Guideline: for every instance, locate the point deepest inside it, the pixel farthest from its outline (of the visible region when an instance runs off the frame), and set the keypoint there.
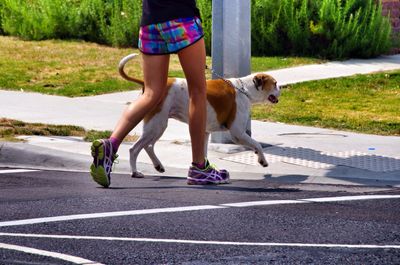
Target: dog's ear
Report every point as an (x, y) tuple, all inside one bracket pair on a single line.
[(258, 81)]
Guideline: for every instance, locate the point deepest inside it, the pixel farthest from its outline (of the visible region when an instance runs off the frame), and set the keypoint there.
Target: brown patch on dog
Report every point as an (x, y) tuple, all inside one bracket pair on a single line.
[(158, 108), (267, 82), (221, 96)]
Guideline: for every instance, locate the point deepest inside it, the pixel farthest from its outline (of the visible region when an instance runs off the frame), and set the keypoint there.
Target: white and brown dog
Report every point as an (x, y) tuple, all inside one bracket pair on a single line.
[(228, 108)]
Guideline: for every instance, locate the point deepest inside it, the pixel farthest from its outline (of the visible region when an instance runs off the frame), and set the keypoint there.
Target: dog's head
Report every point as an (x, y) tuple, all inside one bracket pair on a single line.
[(267, 89)]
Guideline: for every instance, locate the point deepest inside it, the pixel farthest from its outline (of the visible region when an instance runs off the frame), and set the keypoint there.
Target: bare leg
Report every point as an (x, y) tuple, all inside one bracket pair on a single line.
[(193, 61), (155, 69)]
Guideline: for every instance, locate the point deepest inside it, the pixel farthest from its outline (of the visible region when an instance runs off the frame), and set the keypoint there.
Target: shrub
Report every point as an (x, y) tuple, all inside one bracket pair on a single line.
[(282, 27), (38, 20), (264, 27), (327, 28), (351, 28), (91, 18), (206, 15), (123, 29), (332, 29), (112, 22), (1, 15)]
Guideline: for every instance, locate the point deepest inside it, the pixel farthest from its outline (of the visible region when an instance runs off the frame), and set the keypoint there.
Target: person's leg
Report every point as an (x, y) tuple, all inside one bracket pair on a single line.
[(104, 150), (193, 61), (155, 82)]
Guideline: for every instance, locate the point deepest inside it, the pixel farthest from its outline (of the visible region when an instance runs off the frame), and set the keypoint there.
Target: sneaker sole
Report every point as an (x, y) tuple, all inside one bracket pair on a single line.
[(98, 173), (196, 182)]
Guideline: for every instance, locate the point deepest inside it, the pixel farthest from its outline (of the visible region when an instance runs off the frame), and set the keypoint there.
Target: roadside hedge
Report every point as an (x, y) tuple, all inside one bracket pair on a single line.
[(1, 16), (110, 22), (332, 29), (324, 28)]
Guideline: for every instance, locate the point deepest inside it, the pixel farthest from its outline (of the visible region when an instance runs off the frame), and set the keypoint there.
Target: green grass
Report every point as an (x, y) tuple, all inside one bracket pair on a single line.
[(62, 67), (74, 68), (10, 129), (362, 103), (261, 64)]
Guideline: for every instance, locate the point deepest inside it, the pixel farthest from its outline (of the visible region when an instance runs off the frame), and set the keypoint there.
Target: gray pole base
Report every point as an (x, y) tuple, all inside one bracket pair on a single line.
[(231, 45)]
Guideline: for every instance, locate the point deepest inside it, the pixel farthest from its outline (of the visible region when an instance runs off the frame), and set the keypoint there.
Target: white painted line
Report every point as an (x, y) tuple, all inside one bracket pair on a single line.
[(109, 214), (354, 198), (10, 171), (200, 242), (191, 208), (263, 203), (69, 258), (311, 200)]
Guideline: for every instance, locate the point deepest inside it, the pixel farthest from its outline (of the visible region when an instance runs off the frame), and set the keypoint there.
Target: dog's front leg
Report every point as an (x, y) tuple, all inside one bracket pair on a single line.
[(246, 140)]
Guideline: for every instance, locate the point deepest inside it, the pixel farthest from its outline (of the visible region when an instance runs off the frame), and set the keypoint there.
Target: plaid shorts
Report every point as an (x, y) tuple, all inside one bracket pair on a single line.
[(169, 37)]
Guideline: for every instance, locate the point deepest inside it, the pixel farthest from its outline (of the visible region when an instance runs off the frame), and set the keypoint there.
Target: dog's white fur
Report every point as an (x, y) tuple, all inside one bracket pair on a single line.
[(176, 105)]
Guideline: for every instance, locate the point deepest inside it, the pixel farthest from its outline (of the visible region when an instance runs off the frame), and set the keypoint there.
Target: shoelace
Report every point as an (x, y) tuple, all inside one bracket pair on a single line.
[(109, 162), (213, 166)]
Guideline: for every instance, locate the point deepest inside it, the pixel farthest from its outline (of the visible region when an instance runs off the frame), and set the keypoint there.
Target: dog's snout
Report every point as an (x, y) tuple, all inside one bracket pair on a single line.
[(273, 99)]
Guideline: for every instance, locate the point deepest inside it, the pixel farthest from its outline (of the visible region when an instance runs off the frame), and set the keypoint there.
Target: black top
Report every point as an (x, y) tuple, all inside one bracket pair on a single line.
[(158, 11)]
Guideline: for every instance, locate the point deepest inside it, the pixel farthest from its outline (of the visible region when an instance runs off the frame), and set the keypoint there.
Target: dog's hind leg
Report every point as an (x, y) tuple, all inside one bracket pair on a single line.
[(156, 162), (152, 131), (156, 132), (134, 152), (147, 138)]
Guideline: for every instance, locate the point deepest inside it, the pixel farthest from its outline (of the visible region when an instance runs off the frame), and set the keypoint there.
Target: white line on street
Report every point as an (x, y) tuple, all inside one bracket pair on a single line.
[(327, 199), (200, 242), (109, 214), (263, 203), (10, 171), (69, 258), (354, 198), (192, 208)]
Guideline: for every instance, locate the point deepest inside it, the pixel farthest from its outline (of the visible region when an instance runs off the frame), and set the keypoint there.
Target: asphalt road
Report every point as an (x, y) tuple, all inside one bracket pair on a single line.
[(52, 217)]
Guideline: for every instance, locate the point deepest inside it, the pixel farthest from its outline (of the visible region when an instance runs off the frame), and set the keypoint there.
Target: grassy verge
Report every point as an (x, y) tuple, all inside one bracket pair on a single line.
[(70, 68), (10, 129), (362, 103)]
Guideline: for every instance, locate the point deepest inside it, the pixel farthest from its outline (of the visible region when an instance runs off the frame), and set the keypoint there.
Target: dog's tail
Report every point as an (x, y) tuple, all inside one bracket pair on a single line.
[(121, 66)]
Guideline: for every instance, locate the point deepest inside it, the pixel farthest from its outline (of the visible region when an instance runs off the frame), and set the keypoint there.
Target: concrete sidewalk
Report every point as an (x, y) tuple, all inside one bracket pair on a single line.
[(295, 153)]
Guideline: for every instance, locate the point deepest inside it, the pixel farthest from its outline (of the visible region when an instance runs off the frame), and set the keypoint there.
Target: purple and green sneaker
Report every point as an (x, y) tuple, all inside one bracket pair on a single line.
[(103, 159), (208, 175)]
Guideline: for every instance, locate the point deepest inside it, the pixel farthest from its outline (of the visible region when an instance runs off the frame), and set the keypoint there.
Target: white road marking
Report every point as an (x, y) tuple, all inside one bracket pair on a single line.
[(69, 258), (200, 242), (192, 208), (263, 203), (327, 199), (109, 214), (10, 171), (354, 198)]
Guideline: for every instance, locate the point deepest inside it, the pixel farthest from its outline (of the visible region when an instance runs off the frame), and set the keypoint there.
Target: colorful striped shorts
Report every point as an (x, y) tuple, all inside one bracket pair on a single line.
[(170, 37)]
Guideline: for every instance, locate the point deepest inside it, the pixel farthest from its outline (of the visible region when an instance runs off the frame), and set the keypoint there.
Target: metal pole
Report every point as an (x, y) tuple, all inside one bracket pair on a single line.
[(231, 45)]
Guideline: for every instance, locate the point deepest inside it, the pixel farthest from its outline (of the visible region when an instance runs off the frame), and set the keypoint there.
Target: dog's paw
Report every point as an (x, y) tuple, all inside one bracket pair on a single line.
[(263, 163), (137, 175), (160, 168)]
